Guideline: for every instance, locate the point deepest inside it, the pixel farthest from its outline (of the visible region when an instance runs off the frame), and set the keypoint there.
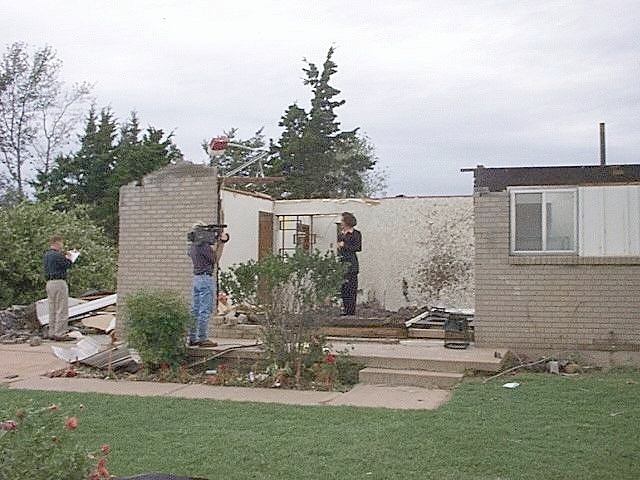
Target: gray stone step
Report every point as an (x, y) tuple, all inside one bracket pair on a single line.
[(415, 378)]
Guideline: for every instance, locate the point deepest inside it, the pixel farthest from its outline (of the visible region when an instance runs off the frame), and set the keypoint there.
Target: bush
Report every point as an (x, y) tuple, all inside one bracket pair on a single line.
[(286, 285), (156, 324), (291, 289), (38, 443), (25, 230)]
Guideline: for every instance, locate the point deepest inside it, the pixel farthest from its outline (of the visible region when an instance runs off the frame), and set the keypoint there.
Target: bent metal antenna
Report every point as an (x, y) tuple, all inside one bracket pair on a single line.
[(218, 145)]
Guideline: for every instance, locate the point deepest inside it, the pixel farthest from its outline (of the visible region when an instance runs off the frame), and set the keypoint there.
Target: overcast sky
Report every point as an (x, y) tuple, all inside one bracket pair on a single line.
[(436, 85)]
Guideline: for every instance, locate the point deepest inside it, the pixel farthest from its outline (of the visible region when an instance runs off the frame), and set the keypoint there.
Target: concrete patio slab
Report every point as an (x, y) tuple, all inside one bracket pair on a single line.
[(20, 361), (23, 367), (96, 385), (400, 397), (261, 395)]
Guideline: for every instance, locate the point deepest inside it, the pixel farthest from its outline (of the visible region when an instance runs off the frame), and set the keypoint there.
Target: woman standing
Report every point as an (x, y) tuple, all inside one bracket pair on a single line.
[(349, 242)]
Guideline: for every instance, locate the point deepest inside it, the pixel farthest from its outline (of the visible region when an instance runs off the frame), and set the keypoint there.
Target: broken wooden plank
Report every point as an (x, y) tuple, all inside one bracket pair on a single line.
[(372, 332), (103, 322)]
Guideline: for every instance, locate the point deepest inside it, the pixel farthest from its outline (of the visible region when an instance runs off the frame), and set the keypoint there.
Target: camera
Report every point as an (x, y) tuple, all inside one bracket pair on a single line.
[(206, 234)]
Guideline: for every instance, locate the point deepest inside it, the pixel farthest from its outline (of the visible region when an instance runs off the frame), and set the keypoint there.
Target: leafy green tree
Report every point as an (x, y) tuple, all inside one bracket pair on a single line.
[(8, 194), (106, 160), (317, 158), (37, 113), (25, 230)]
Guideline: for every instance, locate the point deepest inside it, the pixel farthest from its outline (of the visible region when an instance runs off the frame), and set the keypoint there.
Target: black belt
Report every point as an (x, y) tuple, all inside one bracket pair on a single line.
[(204, 273), (56, 278)]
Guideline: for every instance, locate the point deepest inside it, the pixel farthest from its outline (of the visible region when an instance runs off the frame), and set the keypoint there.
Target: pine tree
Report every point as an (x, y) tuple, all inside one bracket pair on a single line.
[(107, 159), (316, 157)]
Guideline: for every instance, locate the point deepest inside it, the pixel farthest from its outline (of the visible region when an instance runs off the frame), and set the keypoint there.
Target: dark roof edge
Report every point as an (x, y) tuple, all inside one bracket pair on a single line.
[(498, 179)]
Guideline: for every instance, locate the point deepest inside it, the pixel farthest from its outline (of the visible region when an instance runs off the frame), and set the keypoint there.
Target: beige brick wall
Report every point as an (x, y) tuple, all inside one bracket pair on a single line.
[(155, 218), (551, 304)]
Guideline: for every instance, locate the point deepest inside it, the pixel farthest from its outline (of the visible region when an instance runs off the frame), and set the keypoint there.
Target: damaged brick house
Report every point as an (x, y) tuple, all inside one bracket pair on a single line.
[(157, 212), (557, 260)]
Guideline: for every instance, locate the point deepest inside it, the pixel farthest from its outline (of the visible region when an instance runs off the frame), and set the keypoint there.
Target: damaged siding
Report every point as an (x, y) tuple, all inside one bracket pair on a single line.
[(399, 235)]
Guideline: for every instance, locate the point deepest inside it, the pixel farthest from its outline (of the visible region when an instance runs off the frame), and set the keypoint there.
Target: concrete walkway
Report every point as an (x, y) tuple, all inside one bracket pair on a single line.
[(24, 367)]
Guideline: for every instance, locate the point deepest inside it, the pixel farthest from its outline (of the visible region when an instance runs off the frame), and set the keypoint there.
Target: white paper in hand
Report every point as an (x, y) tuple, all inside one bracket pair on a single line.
[(73, 255)]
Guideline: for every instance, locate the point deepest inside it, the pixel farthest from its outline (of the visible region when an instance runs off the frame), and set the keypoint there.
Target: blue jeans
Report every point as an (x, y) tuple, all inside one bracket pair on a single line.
[(204, 291)]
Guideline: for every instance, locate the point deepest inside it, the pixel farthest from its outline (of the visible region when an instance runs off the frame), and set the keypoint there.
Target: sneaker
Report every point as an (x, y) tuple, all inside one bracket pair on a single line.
[(206, 343)]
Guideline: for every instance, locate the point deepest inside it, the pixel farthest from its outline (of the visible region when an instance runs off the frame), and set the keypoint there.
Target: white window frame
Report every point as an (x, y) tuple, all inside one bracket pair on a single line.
[(512, 220)]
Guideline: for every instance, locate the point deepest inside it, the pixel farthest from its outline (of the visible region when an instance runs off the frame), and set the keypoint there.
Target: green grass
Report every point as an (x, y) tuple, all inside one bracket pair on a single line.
[(550, 427)]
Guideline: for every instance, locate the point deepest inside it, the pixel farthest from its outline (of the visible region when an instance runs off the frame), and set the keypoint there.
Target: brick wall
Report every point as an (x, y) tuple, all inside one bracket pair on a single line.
[(550, 304), (155, 217)]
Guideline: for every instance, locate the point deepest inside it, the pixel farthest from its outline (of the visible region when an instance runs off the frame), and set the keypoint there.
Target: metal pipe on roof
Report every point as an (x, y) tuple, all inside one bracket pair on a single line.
[(603, 154)]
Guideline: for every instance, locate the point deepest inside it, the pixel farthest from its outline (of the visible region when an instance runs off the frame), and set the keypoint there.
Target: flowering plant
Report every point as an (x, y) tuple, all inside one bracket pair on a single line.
[(38, 443)]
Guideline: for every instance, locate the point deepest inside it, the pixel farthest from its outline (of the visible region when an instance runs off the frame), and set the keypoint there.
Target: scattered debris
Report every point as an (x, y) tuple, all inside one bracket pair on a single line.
[(85, 348), (511, 385), (437, 316), (79, 309), (522, 365), (221, 353), (17, 323), (114, 358), (103, 322), (66, 372), (42, 309), (571, 368), (554, 367)]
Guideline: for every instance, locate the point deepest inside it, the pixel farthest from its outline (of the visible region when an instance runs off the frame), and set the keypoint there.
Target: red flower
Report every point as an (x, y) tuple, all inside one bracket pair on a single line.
[(105, 448), (8, 425), (101, 470), (71, 423), (331, 359)]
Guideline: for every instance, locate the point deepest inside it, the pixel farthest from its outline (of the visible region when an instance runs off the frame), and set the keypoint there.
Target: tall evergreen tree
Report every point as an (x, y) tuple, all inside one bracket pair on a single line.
[(316, 157), (107, 159)]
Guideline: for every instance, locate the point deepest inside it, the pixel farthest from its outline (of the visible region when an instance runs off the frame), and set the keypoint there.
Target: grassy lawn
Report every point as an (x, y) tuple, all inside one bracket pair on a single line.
[(550, 427)]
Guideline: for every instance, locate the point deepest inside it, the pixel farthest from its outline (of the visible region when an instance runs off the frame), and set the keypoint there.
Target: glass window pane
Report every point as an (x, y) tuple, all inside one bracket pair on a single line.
[(560, 221), (528, 227)]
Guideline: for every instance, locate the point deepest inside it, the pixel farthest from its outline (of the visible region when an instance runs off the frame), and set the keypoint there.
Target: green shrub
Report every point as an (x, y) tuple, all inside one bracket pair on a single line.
[(286, 285), (38, 443), (156, 324), (25, 230), (291, 290)]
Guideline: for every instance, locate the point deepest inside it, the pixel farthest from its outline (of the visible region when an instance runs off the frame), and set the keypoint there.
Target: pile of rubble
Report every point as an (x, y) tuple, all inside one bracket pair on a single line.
[(24, 323), (18, 324)]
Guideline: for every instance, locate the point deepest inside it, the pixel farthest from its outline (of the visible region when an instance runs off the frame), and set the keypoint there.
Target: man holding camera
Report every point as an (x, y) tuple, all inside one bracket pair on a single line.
[(204, 256)]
